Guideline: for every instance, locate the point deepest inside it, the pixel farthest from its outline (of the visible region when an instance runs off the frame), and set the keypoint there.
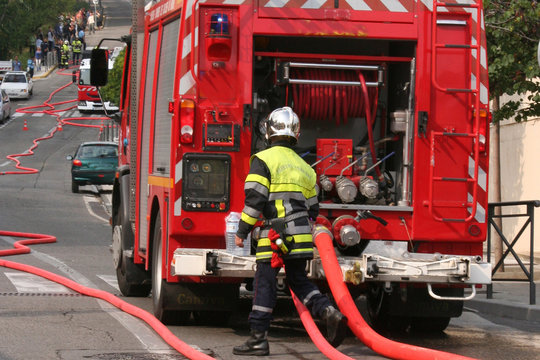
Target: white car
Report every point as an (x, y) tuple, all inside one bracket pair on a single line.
[(5, 106), (17, 84)]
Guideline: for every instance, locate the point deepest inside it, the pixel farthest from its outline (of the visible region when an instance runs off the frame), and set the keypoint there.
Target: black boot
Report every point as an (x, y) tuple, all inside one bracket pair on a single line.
[(256, 345), (336, 325)]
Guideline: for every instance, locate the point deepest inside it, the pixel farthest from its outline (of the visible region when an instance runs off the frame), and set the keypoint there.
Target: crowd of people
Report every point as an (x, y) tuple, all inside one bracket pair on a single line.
[(67, 39)]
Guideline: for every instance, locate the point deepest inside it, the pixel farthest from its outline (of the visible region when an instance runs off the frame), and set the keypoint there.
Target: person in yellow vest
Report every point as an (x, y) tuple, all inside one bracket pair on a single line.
[(76, 45), (280, 186)]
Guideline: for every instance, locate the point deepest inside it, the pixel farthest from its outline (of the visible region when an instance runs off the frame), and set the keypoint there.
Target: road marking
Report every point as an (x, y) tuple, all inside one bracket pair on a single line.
[(17, 114), (39, 114), (111, 280), (89, 199), (135, 326), (29, 283)]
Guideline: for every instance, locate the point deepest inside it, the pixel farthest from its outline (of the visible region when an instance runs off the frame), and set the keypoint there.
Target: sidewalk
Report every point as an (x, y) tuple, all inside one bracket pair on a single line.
[(44, 72), (511, 299)]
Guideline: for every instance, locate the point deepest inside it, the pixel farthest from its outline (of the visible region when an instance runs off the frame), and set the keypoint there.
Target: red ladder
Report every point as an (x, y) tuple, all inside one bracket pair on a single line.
[(475, 92)]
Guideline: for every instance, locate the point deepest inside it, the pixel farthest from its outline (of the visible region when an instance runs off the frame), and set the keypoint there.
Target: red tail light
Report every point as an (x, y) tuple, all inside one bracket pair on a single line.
[(77, 163), (483, 130), (187, 119)]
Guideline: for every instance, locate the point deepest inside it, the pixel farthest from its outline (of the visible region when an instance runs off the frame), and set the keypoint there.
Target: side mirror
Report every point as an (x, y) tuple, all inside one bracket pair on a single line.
[(99, 67), (69, 157), (116, 116)]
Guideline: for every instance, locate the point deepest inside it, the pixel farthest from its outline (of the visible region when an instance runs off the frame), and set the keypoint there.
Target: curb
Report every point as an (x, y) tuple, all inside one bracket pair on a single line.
[(506, 309), (46, 74)]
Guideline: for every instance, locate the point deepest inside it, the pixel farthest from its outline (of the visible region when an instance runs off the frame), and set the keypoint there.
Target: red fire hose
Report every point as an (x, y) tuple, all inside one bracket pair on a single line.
[(50, 110), (376, 342), (162, 330), (314, 333)]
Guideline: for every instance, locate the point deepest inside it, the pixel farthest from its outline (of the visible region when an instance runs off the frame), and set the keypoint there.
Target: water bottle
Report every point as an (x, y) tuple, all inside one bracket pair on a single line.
[(231, 226)]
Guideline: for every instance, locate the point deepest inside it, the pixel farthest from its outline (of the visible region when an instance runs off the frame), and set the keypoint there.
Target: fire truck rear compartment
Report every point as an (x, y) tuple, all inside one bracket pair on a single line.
[(321, 79)]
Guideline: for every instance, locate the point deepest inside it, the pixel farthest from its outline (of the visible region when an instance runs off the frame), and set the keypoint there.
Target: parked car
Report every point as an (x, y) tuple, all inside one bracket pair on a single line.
[(17, 84), (93, 163), (5, 106)]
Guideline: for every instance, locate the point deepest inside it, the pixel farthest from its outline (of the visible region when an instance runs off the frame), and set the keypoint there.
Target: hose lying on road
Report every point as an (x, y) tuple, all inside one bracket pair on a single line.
[(161, 330), (50, 109), (314, 333), (376, 342)]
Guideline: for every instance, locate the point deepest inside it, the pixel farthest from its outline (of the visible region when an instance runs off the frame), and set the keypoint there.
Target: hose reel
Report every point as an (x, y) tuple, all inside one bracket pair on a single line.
[(329, 91)]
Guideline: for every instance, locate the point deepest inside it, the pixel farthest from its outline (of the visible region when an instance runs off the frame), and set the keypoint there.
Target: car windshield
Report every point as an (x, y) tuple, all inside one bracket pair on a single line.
[(15, 78), (84, 77), (97, 151)]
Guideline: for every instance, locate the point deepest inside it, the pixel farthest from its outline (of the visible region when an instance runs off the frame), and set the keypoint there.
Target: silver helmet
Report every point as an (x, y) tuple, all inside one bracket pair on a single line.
[(283, 122)]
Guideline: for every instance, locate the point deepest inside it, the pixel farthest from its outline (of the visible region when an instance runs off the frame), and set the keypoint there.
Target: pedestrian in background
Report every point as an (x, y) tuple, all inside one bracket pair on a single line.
[(280, 186), (50, 39), (30, 67), (16, 64), (38, 58), (91, 23), (44, 53)]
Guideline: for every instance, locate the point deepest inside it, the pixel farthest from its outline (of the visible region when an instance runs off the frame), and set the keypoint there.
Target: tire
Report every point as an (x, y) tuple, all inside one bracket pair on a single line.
[(74, 187), (132, 280), (378, 304), (160, 289)]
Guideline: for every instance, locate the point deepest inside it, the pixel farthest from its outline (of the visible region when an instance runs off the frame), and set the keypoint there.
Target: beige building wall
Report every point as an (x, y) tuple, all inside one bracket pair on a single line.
[(520, 177)]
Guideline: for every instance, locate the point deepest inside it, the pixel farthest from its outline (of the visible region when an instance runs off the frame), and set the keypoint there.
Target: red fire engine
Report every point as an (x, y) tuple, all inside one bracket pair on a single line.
[(87, 95), (393, 101)]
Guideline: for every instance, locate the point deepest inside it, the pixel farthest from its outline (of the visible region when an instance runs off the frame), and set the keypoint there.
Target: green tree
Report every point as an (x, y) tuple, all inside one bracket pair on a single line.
[(513, 31), (111, 91), (19, 19)]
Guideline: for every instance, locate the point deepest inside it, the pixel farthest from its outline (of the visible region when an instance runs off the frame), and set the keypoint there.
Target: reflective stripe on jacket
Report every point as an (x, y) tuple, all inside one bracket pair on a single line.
[(280, 183)]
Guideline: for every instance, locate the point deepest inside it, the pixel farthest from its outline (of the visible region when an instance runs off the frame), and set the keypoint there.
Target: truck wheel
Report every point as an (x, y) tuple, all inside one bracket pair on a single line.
[(132, 280), (378, 304), (161, 290)]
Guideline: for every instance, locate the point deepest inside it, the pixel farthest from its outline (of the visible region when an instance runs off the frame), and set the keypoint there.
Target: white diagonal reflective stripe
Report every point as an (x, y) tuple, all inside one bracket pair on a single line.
[(186, 46), (394, 5), (313, 4), (178, 207), (482, 176), (480, 215), (186, 83), (428, 4), (276, 3), (178, 172), (233, 2), (358, 5)]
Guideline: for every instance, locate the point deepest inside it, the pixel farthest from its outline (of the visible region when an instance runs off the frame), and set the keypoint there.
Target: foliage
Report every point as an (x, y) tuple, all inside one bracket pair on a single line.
[(513, 31), (19, 20), (111, 92)]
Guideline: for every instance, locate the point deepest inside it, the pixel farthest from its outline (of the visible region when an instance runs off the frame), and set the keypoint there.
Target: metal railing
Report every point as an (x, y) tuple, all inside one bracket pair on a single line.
[(529, 274), (109, 131)]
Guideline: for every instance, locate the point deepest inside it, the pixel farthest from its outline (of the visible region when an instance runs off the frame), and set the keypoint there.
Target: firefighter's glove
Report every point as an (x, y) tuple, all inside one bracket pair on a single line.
[(277, 261)]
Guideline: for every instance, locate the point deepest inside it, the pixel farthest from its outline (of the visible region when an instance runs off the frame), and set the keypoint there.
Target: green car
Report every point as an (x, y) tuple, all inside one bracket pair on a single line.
[(94, 163)]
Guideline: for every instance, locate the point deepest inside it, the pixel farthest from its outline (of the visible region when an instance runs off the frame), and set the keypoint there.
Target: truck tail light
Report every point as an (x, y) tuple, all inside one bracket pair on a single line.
[(187, 119), (483, 129), (77, 163)]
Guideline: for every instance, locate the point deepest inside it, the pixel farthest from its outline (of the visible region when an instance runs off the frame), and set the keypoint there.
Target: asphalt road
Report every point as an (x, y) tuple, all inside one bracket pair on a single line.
[(42, 320)]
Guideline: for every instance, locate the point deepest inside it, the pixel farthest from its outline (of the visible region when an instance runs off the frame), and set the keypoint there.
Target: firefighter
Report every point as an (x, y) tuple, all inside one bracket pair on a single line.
[(77, 47), (281, 186), (64, 54)]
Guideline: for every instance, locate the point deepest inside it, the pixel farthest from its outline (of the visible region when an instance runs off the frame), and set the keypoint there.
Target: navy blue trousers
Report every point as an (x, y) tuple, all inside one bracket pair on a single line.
[(265, 292)]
